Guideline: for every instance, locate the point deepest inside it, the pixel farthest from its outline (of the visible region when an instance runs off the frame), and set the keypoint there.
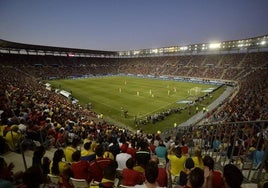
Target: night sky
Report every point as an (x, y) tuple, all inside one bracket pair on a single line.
[(118, 25)]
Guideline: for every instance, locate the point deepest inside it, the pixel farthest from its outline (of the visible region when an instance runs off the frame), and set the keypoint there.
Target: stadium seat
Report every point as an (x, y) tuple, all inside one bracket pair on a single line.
[(249, 185), (54, 180), (79, 183)]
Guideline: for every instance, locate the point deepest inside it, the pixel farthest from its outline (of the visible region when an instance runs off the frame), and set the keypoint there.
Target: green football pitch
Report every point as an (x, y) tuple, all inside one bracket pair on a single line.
[(113, 96)]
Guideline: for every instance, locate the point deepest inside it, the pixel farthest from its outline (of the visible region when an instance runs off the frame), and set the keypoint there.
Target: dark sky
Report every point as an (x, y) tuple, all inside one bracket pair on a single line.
[(130, 24)]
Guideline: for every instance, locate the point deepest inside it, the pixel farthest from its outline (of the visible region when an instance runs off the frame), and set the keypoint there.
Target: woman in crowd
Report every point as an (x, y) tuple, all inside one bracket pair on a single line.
[(57, 166)]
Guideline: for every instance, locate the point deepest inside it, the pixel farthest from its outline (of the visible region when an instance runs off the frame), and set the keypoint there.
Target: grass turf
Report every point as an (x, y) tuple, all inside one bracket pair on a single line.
[(139, 96)]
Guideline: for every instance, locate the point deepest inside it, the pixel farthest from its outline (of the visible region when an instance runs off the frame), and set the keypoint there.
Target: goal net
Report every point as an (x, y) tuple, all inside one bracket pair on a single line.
[(195, 91)]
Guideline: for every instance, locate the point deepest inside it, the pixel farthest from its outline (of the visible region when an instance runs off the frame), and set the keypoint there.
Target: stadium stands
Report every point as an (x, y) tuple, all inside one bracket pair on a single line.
[(240, 122)]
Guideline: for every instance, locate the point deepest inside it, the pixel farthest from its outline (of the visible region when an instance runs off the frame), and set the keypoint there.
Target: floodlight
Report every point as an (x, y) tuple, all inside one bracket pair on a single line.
[(155, 50), (183, 48), (263, 42), (136, 52), (214, 45)]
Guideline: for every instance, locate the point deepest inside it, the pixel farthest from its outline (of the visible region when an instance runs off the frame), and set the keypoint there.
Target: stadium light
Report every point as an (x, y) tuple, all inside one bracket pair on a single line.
[(155, 50), (263, 42), (136, 52), (183, 48), (214, 45)]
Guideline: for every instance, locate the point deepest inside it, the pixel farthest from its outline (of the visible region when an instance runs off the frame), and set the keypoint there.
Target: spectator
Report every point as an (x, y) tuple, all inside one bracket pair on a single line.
[(13, 137), (151, 174), (197, 158), (122, 157), (258, 155), (97, 166), (184, 148), (108, 180), (80, 168), (189, 165), (129, 175), (57, 166), (264, 177), (114, 147), (161, 152), (60, 137), (69, 150), (6, 171), (3, 145), (131, 149), (87, 153), (143, 155), (162, 178), (232, 176), (177, 161), (195, 178), (216, 144), (40, 160), (32, 177), (107, 153), (215, 175)]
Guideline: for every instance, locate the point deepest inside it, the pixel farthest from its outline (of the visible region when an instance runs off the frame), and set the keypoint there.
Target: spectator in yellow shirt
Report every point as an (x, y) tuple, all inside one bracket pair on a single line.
[(69, 150)]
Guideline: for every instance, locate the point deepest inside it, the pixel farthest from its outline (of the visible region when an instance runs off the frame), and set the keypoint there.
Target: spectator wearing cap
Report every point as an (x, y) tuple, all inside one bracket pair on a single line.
[(188, 166), (122, 157)]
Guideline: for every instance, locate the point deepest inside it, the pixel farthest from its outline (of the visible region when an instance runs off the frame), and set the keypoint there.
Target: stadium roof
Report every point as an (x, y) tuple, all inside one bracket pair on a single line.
[(14, 46), (242, 45)]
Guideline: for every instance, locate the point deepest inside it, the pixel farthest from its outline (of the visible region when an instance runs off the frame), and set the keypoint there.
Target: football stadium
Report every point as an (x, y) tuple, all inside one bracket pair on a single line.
[(206, 98), (133, 94)]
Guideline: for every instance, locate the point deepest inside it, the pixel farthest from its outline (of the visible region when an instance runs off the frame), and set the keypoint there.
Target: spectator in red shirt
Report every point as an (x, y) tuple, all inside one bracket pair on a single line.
[(80, 168), (184, 148), (132, 150), (97, 166), (130, 176), (162, 178), (217, 180)]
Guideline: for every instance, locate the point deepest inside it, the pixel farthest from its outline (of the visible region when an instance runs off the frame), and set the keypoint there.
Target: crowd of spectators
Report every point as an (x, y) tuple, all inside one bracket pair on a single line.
[(30, 112), (222, 66)]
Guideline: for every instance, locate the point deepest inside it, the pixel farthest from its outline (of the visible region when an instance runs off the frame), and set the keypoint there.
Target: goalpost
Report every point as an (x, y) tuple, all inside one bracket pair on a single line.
[(195, 91)]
